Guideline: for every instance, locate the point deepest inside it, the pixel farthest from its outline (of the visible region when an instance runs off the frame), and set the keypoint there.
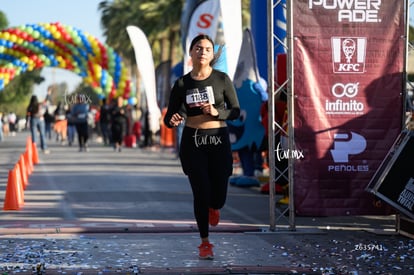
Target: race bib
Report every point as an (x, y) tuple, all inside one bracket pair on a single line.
[(196, 97)]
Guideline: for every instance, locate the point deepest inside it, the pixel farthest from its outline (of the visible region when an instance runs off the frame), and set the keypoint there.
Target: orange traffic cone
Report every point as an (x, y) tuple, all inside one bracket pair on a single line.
[(12, 198), (29, 143), (23, 172), (35, 154), (20, 188), (28, 161)]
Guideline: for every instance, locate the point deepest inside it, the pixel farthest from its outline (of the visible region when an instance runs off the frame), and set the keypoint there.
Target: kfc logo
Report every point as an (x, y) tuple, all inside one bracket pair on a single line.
[(348, 54)]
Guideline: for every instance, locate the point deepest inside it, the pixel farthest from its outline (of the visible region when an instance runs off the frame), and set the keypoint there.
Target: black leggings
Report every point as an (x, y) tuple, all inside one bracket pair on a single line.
[(83, 133), (207, 160)]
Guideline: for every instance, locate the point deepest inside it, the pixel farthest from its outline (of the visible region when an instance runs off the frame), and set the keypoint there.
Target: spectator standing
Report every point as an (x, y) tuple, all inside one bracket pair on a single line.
[(71, 130), (1, 127), (79, 114), (60, 125), (104, 121), (35, 117), (6, 129), (119, 123), (12, 118), (49, 119)]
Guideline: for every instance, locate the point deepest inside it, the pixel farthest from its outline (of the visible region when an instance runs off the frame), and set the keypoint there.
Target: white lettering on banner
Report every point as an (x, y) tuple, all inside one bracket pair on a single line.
[(348, 168), (358, 11), (406, 197), (339, 106)]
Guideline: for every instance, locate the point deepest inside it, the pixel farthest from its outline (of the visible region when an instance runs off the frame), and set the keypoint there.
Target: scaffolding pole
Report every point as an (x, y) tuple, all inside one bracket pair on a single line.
[(275, 129)]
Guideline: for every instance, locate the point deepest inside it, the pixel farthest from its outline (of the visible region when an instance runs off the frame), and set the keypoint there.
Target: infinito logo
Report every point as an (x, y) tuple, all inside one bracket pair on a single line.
[(343, 106), (345, 145), (348, 54)]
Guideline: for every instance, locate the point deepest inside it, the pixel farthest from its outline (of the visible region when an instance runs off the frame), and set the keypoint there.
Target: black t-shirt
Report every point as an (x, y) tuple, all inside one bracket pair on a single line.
[(105, 114), (188, 94)]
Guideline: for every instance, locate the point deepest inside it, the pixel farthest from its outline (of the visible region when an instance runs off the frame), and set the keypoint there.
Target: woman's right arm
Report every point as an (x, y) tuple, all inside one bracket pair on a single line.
[(174, 105)]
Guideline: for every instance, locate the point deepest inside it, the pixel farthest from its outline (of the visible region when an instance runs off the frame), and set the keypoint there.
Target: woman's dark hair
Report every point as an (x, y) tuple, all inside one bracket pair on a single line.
[(205, 36), (33, 107)]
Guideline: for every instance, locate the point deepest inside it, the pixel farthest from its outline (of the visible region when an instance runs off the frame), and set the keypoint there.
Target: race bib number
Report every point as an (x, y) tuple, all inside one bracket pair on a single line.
[(196, 97)]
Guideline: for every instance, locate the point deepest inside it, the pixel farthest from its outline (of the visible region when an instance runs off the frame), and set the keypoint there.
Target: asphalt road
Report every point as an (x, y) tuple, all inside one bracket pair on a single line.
[(107, 186), (106, 212)]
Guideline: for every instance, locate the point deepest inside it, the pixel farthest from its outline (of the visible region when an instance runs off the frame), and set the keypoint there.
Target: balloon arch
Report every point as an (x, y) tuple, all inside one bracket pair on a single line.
[(33, 46)]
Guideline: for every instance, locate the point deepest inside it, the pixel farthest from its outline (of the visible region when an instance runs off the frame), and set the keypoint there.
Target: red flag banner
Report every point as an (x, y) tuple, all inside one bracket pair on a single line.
[(348, 60)]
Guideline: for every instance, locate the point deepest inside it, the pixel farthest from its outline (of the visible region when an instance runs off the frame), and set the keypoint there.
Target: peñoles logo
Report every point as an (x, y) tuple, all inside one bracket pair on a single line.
[(346, 145)]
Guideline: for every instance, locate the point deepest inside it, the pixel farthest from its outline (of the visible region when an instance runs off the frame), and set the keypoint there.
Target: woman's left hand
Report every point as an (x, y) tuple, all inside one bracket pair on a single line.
[(209, 109)]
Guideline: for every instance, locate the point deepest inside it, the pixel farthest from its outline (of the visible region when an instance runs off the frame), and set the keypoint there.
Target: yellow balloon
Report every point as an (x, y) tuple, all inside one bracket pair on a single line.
[(62, 64), (13, 38), (88, 79), (52, 28), (25, 59), (56, 34)]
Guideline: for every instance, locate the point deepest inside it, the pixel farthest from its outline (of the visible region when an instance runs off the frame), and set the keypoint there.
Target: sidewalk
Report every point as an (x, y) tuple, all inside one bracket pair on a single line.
[(31, 240)]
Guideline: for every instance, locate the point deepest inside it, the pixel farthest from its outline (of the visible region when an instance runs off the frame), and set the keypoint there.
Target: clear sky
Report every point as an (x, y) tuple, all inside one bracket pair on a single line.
[(81, 14)]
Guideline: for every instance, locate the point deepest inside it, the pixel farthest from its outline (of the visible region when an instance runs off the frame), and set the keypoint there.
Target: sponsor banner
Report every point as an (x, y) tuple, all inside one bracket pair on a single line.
[(221, 20), (145, 64), (203, 20), (232, 33), (188, 9), (348, 60), (258, 12), (163, 83)]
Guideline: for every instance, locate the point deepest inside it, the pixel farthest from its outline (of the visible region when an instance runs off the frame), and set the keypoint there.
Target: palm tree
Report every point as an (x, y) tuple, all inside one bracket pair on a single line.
[(159, 20), (3, 21)]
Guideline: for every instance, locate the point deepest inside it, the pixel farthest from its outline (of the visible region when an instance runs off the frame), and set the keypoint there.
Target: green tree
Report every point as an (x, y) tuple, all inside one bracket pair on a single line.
[(15, 96), (4, 23), (411, 35), (159, 20)]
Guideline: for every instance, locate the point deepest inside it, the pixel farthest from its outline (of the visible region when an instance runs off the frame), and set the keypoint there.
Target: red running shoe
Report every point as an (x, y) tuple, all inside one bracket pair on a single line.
[(206, 251), (213, 216)]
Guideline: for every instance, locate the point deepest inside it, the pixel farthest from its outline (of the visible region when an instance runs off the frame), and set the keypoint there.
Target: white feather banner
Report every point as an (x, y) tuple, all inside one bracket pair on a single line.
[(145, 64), (203, 20)]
